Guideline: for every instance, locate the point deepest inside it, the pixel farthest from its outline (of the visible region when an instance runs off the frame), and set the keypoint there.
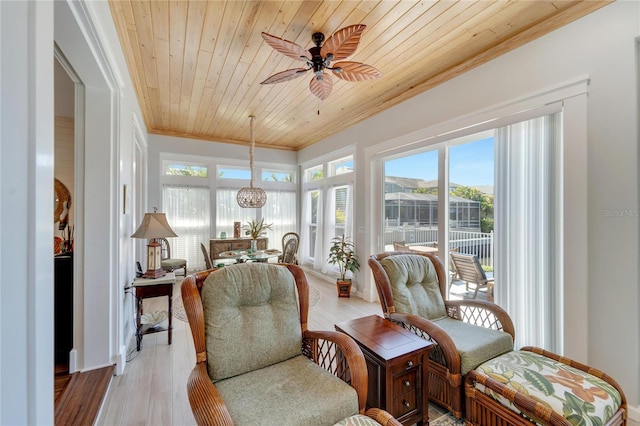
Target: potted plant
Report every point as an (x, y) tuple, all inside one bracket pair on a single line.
[(255, 229), (342, 253)]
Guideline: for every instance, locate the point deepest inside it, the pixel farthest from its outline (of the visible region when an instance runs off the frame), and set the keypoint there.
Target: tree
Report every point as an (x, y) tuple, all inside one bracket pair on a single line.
[(433, 190), (486, 205)]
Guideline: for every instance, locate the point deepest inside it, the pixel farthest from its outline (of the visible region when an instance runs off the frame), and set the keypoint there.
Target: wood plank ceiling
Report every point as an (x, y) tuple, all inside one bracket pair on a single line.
[(196, 66)]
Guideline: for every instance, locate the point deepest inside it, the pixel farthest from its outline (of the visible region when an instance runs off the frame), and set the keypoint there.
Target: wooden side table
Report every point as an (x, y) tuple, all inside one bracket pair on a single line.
[(152, 287), (397, 363)]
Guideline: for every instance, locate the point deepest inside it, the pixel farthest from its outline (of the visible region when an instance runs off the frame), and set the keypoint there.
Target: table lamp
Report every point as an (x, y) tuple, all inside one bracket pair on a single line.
[(154, 226)]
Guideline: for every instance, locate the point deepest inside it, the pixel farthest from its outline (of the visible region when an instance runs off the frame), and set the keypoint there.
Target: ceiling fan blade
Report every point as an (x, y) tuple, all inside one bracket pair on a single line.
[(356, 71), (343, 42), (285, 75), (287, 48), (321, 88)]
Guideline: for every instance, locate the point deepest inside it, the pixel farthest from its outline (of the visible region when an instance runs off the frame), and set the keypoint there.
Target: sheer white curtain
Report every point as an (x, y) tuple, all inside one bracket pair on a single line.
[(228, 211), (311, 227), (188, 212), (305, 251), (338, 219), (329, 232), (280, 212), (318, 259), (528, 234)]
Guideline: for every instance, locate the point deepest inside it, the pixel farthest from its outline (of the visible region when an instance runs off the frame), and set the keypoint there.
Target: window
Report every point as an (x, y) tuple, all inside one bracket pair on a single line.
[(314, 174), (183, 176), (171, 168), (277, 176), (522, 161), (327, 210), (342, 166), (310, 216), (228, 172), (187, 211)]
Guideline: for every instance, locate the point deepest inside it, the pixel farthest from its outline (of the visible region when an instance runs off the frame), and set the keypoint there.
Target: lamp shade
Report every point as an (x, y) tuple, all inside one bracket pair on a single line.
[(154, 225)]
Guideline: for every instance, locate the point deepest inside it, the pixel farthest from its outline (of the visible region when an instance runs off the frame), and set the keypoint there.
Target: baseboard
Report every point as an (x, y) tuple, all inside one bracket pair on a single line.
[(121, 360), (319, 275), (633, 419), (73, 361)]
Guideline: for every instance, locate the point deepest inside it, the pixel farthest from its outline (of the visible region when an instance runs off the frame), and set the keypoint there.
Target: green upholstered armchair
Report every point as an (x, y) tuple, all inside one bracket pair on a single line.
[(256, 361), (412, 288)]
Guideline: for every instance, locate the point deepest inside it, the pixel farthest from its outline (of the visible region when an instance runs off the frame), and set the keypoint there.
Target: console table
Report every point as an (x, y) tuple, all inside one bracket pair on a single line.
[(397, 363), (152, 287), (219, 245)]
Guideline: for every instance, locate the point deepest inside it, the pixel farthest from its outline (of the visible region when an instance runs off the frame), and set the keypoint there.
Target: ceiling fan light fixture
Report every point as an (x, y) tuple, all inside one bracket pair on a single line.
[(338, 46), (251, 197)]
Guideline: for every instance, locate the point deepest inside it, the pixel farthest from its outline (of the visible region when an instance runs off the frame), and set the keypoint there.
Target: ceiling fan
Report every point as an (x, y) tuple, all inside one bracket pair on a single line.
[(342, 44)]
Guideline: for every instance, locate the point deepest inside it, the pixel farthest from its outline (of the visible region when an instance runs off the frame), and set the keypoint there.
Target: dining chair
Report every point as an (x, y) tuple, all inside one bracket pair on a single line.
[(168, 263), (207, 260), (290, 243)]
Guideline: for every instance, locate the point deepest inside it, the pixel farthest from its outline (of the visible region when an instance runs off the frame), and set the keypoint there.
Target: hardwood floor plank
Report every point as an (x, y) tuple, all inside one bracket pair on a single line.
[(74, 407)]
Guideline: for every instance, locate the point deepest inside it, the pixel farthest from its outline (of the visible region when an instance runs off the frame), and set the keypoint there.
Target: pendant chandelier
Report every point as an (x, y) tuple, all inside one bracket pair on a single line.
[(250, 197)]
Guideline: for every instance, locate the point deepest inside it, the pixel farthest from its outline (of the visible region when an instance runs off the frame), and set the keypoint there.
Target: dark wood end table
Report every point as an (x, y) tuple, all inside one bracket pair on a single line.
[(397, 363), (152, 287)]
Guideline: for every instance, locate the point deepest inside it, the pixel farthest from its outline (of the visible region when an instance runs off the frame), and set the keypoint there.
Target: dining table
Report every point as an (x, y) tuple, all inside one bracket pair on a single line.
[(242, 256), (424, 249)]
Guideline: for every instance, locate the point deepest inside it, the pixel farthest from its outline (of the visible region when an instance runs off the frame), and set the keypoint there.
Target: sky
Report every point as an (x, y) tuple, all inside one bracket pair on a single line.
[(470, 164)]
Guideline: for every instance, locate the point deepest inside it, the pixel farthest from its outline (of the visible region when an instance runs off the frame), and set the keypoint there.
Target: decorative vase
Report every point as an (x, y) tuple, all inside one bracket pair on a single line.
[(344, 287), (236, 229), (254, 246)]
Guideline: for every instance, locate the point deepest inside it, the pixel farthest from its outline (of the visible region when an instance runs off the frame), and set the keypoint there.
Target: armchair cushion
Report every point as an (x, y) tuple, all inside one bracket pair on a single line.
[(415, 286), (302, 391), (248, 327), (475, 344)]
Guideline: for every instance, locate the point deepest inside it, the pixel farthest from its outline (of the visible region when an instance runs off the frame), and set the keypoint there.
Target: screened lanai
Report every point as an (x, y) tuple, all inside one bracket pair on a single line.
[(417, 209)]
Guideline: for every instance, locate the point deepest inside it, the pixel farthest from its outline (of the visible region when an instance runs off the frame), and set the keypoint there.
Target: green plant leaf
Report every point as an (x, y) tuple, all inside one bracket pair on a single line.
[(539, 382)]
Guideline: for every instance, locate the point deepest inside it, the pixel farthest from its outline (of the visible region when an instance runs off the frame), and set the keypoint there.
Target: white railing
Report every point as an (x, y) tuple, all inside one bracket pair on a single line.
[(471, 242)]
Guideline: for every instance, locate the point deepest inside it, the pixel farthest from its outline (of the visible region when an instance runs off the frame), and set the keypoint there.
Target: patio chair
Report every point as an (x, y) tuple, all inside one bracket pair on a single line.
[(469, 270), (400, 246), (412, 289), (256, 361)]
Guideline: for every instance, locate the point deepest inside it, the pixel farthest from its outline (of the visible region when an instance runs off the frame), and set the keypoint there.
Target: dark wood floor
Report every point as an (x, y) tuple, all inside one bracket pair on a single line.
[(78, 396)]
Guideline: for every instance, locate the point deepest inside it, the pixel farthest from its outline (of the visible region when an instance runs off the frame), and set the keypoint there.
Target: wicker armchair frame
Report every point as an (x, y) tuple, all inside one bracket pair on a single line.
[(332, 350), (482, 410), (445, 375)]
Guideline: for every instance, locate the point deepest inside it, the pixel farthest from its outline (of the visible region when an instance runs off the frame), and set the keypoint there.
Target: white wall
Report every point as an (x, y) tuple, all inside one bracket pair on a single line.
[(26, 211), (85, 35), (602, 47)]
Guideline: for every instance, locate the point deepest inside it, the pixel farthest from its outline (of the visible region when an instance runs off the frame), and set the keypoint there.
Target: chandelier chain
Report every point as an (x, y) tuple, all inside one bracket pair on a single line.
[(251, 117)]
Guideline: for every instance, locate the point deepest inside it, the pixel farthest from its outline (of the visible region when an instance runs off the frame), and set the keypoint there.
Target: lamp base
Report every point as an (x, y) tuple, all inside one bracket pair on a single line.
[(154, 273)]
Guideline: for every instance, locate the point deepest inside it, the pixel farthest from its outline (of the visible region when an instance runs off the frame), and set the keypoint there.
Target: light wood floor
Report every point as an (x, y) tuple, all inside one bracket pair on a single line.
[(153, 388)]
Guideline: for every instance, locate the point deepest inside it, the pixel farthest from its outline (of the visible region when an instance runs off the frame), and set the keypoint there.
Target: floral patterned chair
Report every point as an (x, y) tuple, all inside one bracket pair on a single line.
[(534, 386)]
